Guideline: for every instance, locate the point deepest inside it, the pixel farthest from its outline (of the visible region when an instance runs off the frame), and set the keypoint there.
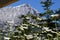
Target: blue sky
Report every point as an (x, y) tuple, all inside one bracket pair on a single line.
[(36, 4)]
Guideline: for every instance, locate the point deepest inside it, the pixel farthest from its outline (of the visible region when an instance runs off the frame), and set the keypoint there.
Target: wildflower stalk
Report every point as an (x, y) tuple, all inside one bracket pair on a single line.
[(9, 31), (24, 35), (0, 35), (56, 29), (42, 32)]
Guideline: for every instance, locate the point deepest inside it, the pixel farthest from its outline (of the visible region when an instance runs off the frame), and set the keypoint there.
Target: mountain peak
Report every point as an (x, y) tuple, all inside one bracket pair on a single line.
[(12, 13), (23, 5)]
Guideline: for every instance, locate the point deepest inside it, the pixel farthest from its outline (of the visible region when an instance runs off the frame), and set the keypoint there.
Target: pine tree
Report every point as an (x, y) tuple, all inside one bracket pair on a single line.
[(48, 13)]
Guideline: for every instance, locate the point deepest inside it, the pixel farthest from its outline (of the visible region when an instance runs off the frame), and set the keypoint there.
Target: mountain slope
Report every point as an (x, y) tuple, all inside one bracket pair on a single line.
[(10, 14)]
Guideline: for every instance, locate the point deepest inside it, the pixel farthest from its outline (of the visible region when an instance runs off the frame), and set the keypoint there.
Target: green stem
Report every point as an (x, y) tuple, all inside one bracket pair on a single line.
[(56, 30), (24, 35)]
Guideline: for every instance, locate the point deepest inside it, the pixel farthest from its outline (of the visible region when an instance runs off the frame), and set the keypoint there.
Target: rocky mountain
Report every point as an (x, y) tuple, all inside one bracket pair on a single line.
[(9, 15)]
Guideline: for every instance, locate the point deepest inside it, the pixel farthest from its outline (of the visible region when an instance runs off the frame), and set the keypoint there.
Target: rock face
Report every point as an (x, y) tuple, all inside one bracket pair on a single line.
[(9, 15)]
